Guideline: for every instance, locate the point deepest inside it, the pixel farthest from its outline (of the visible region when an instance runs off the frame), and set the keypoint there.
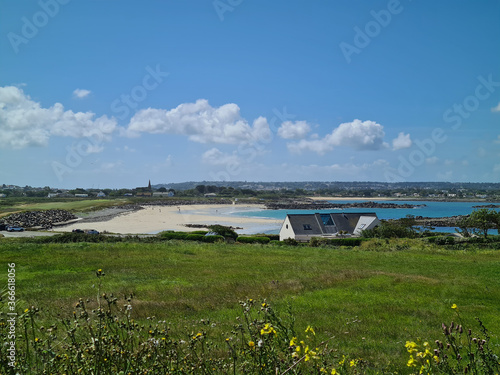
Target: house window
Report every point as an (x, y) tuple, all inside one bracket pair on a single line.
[(287, 226), (307, 227), (362, 226)]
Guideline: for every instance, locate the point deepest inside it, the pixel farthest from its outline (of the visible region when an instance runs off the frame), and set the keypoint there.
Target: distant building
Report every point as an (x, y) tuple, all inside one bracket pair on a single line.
[(210, 195), (101, 194), (3, 195), (303, 227), (144, 191), (163, 194), (81, 195)]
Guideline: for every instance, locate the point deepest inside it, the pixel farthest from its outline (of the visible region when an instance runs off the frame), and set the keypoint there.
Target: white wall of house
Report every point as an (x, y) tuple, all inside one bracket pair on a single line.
[(286, 230)]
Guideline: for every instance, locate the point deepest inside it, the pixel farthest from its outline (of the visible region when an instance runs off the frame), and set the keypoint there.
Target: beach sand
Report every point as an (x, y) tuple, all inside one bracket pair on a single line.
[(154, 219)]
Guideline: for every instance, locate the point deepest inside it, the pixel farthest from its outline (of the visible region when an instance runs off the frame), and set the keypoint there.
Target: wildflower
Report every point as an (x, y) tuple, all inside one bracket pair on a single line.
[(411, 346), (342, 361), (353, 363), (251, 344), (310, 329), (334, 372), (411, 362), (26, 310), (454, 306), (293, 341), (268, 329)]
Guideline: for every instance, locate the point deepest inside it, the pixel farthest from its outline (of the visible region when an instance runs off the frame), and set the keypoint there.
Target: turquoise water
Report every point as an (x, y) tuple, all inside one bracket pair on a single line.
[(431, 209)]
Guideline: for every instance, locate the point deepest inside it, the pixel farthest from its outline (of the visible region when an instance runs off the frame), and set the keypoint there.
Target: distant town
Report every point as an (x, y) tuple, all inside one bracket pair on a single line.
[(270, 190)]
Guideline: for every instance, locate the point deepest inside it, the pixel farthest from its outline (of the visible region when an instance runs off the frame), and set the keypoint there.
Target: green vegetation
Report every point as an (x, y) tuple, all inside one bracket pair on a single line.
[(479, 222), (8, 206), (363, 302)]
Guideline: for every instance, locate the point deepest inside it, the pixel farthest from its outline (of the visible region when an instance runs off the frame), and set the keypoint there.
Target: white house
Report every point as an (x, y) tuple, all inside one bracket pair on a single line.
[(303, 227)]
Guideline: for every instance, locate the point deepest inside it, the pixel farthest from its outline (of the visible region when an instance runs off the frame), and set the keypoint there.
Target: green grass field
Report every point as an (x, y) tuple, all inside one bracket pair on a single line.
[(372, 302), (32, 204)]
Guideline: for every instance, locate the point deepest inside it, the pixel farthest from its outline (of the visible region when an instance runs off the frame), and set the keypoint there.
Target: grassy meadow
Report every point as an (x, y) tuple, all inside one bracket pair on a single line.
[(368, 300)]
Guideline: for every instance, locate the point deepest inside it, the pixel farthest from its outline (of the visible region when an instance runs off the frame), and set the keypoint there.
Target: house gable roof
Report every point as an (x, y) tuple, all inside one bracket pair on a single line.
[(314, 224)]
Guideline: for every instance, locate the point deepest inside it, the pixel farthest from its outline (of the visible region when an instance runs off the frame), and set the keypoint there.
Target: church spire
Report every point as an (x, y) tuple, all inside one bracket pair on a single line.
[(149, 185)]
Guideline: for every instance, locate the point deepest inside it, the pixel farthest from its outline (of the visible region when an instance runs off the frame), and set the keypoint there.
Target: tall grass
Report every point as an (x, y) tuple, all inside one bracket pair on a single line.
[(371, 299)]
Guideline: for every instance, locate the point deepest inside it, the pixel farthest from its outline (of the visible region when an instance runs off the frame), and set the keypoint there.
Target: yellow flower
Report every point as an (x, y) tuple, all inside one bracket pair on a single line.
[(352, 363), (99, 270), (334, 372), (268, 329), (411, 362), (454, 306), (310, 329), (293, 341), (411, 346), (251, 344), (342, 361), (26, 310)]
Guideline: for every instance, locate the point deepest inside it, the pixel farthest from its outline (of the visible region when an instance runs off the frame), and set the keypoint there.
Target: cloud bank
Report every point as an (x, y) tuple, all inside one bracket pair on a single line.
[(359, 135), (201, 123), (25, 123)]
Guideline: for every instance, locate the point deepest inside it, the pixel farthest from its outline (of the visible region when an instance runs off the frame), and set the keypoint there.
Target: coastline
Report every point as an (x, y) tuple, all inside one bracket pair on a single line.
[(154, 219)]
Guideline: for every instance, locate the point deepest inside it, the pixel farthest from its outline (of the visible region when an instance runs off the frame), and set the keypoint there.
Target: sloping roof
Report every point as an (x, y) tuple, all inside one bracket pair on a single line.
[(314, 224)]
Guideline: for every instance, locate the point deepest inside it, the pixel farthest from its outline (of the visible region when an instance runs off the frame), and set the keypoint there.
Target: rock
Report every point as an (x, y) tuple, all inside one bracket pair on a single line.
[(43, 219)]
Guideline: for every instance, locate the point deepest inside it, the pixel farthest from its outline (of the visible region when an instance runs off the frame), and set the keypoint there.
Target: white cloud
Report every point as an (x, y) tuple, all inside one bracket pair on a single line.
[(294, 130), (201, 123), (23, 122), (496, 109), (432, 160), (81, 93), (216, 157), (360, 135), (402, 141)]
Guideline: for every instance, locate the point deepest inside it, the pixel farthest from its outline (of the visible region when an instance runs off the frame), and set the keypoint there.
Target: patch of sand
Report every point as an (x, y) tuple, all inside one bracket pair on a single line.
[(154, 219)]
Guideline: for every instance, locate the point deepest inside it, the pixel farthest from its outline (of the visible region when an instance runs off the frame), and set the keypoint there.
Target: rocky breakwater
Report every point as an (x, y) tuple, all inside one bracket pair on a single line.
[(325, 205), (39, 219)]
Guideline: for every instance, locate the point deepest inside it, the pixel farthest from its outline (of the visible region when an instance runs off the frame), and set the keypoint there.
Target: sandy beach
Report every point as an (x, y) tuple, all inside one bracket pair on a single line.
[(154, 219)]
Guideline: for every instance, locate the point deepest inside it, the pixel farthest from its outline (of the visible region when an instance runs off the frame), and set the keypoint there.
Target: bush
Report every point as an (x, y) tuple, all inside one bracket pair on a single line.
[(262, 240), (174, 235), (212, 239), (199, 232), (221, 230), (345, 241), (290, 241), (195, 237)]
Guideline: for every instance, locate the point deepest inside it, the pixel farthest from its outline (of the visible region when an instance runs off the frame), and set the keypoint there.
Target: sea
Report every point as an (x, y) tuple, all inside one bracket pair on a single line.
[(424, 208)]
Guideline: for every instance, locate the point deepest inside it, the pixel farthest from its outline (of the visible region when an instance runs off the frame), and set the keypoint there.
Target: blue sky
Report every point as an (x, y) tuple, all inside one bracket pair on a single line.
[(114, 93)]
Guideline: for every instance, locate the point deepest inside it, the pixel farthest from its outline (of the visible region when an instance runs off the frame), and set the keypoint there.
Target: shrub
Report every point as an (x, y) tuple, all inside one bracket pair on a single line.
[(291, 241), (195, 237), (212, 239), (221, 230), (262, 240), (174, 235), (199, 232), (345, 241)]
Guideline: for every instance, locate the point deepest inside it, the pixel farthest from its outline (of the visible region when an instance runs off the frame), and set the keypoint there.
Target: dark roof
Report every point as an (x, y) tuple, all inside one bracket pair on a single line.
[(311, 224)]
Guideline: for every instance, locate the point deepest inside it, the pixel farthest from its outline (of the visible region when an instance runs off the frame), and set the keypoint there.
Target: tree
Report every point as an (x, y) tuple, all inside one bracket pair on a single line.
[(481, 221), (224, 231)]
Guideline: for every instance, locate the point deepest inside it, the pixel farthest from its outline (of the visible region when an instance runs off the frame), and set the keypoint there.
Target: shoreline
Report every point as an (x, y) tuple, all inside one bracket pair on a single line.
[(155, 219)]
